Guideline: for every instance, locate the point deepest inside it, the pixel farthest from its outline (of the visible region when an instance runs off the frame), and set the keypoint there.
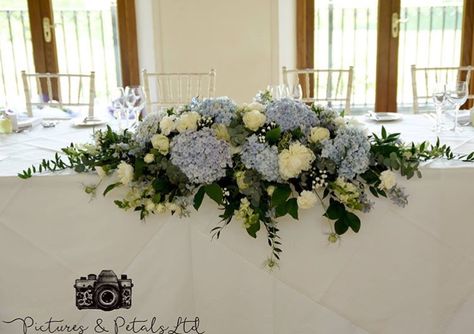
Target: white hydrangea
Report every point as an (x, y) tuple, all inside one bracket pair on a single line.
[(168, 125), (187, 121)]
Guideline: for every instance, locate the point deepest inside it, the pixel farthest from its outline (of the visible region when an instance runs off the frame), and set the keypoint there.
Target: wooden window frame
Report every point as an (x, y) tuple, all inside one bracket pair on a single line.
[(387, 48), (45, 54)]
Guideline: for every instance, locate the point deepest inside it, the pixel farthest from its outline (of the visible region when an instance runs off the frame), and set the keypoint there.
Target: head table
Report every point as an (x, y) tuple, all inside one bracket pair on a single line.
[(409, 270)]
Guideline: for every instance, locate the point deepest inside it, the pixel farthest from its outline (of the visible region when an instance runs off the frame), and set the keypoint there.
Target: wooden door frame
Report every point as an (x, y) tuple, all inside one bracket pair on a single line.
[(387, 58), (305, 40), (45, 54)]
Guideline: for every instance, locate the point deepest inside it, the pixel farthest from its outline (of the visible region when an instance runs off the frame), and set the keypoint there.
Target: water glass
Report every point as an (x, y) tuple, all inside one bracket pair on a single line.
[(439, 99), (135, 101), (457, 95)]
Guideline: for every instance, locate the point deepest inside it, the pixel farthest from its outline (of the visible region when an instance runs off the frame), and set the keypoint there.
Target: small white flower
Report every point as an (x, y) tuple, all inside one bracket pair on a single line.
[(100, 171), (167, 125), (125, 173), (318, 134), (270, 190), (294, 160), (149, 158), (187, 121), (149, 205), (160, 208), (388, 180), (254, 119), (307, 199), (161, 143)]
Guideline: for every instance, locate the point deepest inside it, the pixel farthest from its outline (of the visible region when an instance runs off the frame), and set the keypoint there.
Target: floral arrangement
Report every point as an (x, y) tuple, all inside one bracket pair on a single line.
[(258, 162)]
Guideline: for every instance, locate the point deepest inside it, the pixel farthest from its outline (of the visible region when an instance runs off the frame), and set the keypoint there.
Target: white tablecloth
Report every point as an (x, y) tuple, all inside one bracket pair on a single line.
[(408, 270)]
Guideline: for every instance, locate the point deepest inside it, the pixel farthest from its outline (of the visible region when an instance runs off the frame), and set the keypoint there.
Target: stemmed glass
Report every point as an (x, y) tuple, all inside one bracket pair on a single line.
[(457, 95), (439, 99), (135, 101), (279, 91), (297, 92), (120, 111)]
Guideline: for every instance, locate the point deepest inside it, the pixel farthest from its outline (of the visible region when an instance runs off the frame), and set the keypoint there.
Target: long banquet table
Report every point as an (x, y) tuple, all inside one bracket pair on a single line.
[(409, 270)]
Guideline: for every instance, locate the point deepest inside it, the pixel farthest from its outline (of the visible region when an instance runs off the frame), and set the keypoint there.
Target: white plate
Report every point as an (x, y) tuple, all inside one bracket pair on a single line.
[(384, 116), (83, 122)]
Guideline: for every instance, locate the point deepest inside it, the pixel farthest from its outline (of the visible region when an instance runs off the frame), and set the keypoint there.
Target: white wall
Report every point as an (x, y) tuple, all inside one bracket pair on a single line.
[(246, 41)]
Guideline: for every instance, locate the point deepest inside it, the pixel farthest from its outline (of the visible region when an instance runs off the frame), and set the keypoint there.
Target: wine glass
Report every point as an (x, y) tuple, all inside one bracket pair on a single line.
[(439, 99), (297, 92), (135, 101), (457, 95), (284, 90), (275, 91), (118, 105)]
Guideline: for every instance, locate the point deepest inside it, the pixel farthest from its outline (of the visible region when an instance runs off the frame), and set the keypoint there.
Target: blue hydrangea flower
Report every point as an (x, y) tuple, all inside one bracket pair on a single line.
[(148, 127), (325, 118), (261, 157), (349, 150), (290, 114), (221, 109), (397, 195), (201, 156)]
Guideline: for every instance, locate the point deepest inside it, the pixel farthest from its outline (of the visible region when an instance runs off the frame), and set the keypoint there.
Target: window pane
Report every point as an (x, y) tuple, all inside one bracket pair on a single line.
[(16, 52), (87, 40), (346, 35), (430, 37)]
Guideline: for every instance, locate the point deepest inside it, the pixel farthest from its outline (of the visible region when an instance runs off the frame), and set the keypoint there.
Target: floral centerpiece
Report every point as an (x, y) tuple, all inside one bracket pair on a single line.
[(258, 162)]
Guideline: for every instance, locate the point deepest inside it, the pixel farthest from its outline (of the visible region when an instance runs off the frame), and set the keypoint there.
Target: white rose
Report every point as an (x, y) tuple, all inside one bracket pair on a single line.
[(339, 121), (255, 106), (307, 199), (187, 121), (318, 134), (167, 125), (125, 173), (149, 158), (294, 160), (161, 143), (254, 119), (100, 171), (388, 180)]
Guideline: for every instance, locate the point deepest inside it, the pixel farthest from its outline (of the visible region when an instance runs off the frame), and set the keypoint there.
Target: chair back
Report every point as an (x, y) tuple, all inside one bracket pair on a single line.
[(59, 90), (424, 80), (325, 86), (176, 89)]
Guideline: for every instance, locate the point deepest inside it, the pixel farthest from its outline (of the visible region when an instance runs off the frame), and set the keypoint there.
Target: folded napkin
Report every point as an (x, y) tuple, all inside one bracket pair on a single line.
[(55, 113)]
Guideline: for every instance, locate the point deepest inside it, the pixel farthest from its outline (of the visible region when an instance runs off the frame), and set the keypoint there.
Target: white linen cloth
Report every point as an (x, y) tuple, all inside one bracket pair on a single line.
[(408, 270)]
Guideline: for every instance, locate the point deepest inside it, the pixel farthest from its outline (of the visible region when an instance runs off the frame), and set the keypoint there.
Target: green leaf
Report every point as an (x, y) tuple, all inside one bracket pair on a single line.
[(162, 185), (353, 221), (198, 198), (273, 135), (341, 226), (214, 191), (292, 207), (110, 187), (253, 229), (281, 194), (335, 210), (156, 198), (281, 210), (139, 167), (384, 133)]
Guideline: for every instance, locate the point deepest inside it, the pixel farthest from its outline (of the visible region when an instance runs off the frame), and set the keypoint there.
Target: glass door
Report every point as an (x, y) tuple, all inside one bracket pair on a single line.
[(430, 36)]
